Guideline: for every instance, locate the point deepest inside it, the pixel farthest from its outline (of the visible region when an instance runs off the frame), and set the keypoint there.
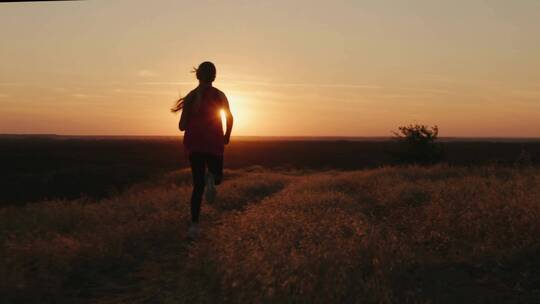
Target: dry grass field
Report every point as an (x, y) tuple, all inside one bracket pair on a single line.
[(444, 234)]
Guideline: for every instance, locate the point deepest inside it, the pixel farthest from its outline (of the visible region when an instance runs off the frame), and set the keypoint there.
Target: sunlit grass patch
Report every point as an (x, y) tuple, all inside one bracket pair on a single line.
[(249, 188), (290, 244)]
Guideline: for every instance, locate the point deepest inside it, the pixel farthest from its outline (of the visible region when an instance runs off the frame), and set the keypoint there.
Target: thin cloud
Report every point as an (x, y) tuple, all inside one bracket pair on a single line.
[(532, 94), (140, 92), (275, 84), (307, 85), (146, 73), (11, 84), (427, 90), (166, 83), (86, 96)]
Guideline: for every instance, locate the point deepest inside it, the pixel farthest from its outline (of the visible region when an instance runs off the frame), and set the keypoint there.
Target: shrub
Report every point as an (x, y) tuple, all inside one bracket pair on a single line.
[(417, 144)]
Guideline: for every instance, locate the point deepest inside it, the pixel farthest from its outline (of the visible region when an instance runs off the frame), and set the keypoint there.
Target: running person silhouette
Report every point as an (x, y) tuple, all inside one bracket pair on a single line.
[(204, 140)]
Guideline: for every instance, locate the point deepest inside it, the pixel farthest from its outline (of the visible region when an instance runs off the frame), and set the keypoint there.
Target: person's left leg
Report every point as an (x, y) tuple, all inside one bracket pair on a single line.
[(198, 168), (214, 176)]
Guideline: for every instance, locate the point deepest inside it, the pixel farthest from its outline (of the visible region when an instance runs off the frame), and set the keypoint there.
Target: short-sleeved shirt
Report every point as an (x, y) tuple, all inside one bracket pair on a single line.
[(204, 131)]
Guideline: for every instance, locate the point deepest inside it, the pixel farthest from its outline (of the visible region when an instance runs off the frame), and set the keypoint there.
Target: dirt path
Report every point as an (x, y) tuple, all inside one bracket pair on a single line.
[(168, 274)]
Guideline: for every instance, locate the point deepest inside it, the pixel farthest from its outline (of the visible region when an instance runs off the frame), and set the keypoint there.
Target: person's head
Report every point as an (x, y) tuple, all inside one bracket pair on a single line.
[(206, 72)]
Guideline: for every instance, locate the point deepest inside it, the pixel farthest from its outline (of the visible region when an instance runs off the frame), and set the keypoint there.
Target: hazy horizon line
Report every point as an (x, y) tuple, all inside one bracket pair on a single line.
[(264, 136)]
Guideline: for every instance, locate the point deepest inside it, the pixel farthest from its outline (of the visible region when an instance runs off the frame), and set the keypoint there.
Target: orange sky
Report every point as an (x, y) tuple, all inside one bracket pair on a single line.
[(343, 68)]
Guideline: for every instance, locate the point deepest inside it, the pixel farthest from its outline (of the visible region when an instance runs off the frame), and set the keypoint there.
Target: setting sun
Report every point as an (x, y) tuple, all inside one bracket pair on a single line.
[(240, 110)]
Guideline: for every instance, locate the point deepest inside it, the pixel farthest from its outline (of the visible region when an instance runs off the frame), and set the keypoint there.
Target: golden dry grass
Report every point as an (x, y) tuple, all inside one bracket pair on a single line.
[(389, 235)]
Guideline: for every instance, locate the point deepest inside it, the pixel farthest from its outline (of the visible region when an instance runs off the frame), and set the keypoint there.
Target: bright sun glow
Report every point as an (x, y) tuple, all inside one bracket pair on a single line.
[(240, 111), (223, 119)]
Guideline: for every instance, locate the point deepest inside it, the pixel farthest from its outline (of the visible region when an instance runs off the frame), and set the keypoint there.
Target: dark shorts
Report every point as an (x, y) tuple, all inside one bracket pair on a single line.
[(200, 161)]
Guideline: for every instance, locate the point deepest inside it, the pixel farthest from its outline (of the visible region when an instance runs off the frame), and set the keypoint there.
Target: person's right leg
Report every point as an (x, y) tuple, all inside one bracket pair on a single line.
[(215, 166), (198, 168)]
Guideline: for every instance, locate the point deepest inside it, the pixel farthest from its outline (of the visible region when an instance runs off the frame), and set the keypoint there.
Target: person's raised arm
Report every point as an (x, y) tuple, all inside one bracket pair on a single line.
[(228, 117)]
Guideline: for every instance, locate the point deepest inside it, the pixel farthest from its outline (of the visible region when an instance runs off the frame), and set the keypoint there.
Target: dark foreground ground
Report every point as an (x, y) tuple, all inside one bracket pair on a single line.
[(443, 234), (35, 168)]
